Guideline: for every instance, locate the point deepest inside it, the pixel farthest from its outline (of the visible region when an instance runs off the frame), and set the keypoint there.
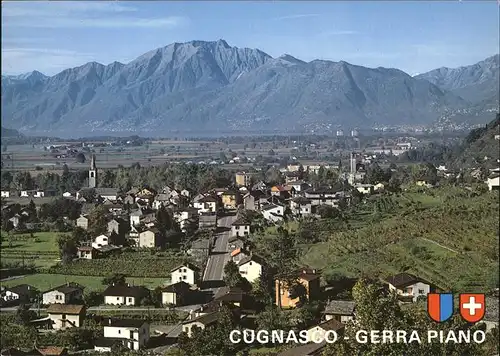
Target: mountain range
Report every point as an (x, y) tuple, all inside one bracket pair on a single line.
[(202, 86)]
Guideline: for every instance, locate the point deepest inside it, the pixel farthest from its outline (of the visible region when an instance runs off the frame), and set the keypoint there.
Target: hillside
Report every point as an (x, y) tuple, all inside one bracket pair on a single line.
[(10, 132), (475, 83), (447, 236), (478, 84), (480, 143), (211, 87)]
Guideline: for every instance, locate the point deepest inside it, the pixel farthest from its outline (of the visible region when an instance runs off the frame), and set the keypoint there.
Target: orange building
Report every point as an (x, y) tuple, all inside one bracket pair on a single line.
[(308, 280)]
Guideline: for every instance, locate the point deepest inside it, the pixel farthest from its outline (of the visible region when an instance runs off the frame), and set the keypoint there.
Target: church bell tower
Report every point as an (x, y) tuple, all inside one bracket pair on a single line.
[(92, 173)]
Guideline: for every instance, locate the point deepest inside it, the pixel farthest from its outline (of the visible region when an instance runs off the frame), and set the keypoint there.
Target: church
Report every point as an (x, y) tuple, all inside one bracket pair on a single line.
[(110, 194)]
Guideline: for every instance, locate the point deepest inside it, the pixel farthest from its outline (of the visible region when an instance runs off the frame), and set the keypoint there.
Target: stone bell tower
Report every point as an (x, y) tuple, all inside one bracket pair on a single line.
[(92, 173)]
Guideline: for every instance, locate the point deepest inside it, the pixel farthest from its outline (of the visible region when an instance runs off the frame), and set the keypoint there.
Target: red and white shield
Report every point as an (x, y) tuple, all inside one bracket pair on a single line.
[(472, 307)]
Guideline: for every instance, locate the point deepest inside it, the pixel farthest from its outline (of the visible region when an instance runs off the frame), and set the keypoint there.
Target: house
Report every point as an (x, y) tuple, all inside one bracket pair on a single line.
[(340, 310), (238, 254), (185, 193), (379, 188), (235, 243), (107, 193), (202, 322), (324, 196), (318, 332), (281, 191), (207, 204), (251, 267), (187, 272), (241, 227), (493, 183), (307, 286), (65, 294), (408, 287), (244, 179), (249, 202), (87, 252), (299, 186), (66, 315), (150, 238), (364, 188), (184, 217), (131, 333), (301, 206), (233, 297), (176, 294), (135, 217), (22, 293), (149, 220), (101, 240), (83, 222), (273, 212), (291, 177), (161, 199), (231, 200), (124, 295), (118, 226)]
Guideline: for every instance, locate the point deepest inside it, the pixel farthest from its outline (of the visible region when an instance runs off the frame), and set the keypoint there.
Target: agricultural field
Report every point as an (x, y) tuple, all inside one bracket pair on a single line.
[(133, 264), (453, 245), (44, 281), (39, 249)]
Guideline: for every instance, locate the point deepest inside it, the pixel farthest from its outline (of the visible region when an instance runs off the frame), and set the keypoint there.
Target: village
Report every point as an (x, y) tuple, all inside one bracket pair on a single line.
[(225, 219)]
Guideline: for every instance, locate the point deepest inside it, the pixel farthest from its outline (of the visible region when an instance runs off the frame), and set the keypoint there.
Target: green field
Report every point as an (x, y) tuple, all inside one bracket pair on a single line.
[(46, 281), (453, 244), (135, 264), (41, 251)]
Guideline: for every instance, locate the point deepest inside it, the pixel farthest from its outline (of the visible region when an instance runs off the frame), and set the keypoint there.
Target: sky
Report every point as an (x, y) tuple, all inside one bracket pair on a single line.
[(413, 36)]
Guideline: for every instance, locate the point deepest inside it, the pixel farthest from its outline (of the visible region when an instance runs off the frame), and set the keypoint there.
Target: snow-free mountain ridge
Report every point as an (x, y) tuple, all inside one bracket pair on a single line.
[(202, 86)]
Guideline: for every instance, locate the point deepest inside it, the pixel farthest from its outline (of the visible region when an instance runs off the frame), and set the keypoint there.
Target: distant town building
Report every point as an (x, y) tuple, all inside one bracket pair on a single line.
[(340, 133)]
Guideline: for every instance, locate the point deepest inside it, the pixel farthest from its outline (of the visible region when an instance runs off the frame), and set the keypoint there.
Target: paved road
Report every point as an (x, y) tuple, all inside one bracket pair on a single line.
[(220, 255)]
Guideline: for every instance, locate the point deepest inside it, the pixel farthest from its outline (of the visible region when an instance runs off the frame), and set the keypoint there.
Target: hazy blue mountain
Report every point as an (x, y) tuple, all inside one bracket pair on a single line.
[(211, 86), (476, 83), (9, 132)]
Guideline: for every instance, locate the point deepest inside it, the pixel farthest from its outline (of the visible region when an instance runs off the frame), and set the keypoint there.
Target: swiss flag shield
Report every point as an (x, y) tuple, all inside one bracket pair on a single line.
[(472, 307)]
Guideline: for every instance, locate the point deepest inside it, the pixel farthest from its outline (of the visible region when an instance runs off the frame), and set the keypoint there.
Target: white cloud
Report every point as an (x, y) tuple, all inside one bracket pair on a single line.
[(76, 14), (117, 22), (293, 17)]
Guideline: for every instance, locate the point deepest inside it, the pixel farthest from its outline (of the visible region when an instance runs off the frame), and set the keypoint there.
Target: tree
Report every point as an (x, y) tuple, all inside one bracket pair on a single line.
[(89, 194), (79, 234), (164, 220), (210, 341), (24, 315), (80, 157), (282, 257), (67, 248), (98, 223), (232, 275), (93, 298), (378, 310), (116, 279), (375, 174)]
